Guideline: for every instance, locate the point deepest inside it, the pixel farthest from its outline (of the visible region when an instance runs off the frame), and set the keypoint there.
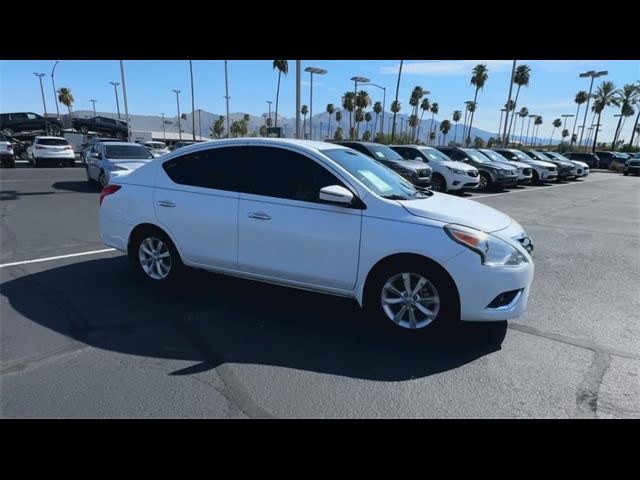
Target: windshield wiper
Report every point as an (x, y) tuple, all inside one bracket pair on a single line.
[(394, 197)]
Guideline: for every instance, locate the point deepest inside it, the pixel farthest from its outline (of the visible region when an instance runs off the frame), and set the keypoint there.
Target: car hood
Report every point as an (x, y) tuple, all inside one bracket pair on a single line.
[(449, 209), (507, 165), (540, 163), (459, 165), (518, 165), (578, 162), (411, 164)]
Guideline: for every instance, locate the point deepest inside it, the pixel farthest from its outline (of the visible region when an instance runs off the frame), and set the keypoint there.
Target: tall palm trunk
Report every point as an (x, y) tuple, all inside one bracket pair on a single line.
[(633, 131), (515, 104), (464, 125), (615, 136), (551, 137), (431, 126), (475, 99), (595, 137), (277, 97), (329, 127), (393, 130), (575, 122), (419, 125), (455, 133), (375, 126), (304, 127)]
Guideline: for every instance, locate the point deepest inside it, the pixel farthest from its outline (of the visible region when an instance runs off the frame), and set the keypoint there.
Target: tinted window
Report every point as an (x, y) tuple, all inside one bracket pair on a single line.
[(281, 173), (52, 141), (127, 152), (19, 116), (434, 155), (219, 168), (382, 152), (32, 116)]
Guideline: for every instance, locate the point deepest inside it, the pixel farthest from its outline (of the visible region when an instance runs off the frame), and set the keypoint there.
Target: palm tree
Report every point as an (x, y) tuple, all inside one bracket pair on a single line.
[(339, 118), (349, 104), (218, 127), (413, 123), (581, 97), (377, 109), (471, 107), (605, 96), (425, 106), (520, 78), (330, 110), (524, 112), (479, 76), (434, 112), (338, 135), (366, 136), (625, 97), (396, 103), (65, 97), (367, 118), (414, 100), (445, 126), (557, 123), (304, 110), (395, 109), (536, 125), (363, 100), (359, 117), (565, 134), (457, 115), (283, 67), (432, 136), (635, 125)]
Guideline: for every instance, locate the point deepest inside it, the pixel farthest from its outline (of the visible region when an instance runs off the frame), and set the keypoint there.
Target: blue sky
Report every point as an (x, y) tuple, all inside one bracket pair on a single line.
[(553, 85)]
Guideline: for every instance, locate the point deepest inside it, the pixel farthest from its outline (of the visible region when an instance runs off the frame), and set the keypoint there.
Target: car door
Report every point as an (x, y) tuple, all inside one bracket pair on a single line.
[(196, 201), (285, 231), (94, 164)]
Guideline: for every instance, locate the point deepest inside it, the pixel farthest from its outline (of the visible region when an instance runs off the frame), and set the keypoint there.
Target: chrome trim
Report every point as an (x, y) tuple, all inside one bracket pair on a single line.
[(509, 305)]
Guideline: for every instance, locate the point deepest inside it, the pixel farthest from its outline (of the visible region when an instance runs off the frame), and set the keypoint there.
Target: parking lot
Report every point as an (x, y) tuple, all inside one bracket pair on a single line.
[(82, 335)]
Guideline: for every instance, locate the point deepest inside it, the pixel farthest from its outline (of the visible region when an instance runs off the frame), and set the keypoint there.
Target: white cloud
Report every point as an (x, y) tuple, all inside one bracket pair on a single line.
[(448, 67)]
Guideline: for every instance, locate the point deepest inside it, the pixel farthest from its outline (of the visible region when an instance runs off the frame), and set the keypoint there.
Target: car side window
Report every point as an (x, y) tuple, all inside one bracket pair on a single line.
[(217, 168), (31, 116), (281, 173)]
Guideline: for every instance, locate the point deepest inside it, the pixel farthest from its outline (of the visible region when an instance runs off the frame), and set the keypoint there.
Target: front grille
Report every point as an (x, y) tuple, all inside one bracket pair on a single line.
[(423, 173), (473, 173), (526, 171)]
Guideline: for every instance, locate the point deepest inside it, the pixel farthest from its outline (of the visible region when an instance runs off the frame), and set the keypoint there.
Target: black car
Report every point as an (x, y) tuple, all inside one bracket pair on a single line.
[(566, 169), (607, 158), (86, 147), (491, 174), (12, 123), (631, 166), (415, 172), (102, 125), (590, 159)]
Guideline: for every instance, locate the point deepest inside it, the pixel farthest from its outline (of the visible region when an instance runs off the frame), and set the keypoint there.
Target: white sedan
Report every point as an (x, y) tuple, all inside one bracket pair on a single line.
[(321, 217)]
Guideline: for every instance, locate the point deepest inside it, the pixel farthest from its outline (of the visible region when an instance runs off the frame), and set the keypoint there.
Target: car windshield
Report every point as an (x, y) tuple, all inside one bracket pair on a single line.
[(434, 155), (53, 141), (378, 178), (127, 151), (382, 152), (156, 145), (496, 157), (520, 156), (542, 156), (559, 156), (476, 156)]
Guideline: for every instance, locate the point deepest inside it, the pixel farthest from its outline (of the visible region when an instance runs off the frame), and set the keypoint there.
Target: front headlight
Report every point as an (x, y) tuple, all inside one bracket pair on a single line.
[(493, 251), (455, 170)]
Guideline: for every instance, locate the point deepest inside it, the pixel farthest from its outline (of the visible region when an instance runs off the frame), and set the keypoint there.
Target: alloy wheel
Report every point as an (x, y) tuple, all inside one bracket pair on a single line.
[(155, 258), (410, 300)]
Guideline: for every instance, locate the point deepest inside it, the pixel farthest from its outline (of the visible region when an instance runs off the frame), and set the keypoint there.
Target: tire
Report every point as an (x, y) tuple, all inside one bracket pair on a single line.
[(36, 164), (120, 135), (102, 179), (485, 182), (626, 173), (8, 131), (55, 129), (438, 183), (536, 178), (156, 256), (23, 156), (84, 129), (438, 287)]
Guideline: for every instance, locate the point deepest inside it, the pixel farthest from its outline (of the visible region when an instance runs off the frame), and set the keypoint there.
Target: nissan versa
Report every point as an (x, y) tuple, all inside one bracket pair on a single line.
[(322, 217)]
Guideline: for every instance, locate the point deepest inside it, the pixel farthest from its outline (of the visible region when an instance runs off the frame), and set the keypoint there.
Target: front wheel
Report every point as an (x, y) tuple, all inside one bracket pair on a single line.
[(103, 180), (157, 257), (438, 184), (412, 296), (484, 182), (536, 177)]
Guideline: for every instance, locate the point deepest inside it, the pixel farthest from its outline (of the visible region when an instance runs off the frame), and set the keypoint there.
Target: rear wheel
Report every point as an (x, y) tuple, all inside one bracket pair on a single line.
[(156, 256), (103, 180), (36, 163), (536, 177), (7, 131)]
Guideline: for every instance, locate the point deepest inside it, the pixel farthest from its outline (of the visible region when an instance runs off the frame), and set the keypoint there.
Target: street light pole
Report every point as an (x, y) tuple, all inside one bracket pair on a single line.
[(164, 134), (40, 75), (298, 93), (200, 122), (55, 96), (94, 106), (526, 140), (593, 75), (115, 89), (269, 102), (226, 96), (193, 104), (505, 138), (502, 110), (355, 96), (126, 105), (317, 71), (177, 92)]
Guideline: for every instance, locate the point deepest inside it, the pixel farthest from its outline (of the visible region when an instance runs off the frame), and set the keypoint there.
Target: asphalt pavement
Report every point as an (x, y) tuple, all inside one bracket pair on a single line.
[(84, 336)]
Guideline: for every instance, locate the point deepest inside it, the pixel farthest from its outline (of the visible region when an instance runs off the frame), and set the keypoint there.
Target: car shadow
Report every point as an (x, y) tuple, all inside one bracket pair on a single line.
[(77, 186), (229, 320), (15, 194)]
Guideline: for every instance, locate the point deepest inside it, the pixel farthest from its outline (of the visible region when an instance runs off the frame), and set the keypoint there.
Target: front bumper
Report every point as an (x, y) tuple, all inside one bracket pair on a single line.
[(478, 285), (547, 175), (633, 170), (506, 181)]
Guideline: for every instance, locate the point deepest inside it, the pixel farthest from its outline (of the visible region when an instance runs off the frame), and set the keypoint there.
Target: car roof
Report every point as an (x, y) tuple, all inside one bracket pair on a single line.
[(309, 145), (50, 138), (124, 143)]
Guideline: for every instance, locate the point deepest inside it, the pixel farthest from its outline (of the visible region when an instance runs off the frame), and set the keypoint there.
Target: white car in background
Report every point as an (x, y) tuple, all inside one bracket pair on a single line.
[(525, 171), (51, 150), (582, 169), (542, 171), (157, 148), (322, 217), (108, 159), (447, 174)]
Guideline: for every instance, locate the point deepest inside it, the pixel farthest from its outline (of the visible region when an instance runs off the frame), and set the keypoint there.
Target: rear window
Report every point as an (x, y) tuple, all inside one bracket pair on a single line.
[(127, 152), (53, 141)]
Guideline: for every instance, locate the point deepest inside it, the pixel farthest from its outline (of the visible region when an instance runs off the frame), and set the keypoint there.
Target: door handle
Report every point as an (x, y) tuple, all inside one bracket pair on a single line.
[(259, 215), (166, 203)]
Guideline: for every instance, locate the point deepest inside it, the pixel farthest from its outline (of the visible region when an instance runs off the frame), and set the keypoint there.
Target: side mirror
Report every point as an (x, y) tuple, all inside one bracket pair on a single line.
[(336, 194), (420, 159)]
